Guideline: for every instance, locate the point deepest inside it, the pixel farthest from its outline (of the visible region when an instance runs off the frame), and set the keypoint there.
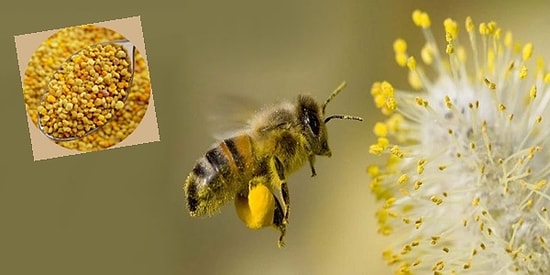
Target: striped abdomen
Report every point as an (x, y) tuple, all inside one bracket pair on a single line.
[(219, 175)]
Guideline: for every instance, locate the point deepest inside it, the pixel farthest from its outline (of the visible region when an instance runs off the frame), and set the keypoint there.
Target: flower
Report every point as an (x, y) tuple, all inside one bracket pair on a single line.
[(465, 183)]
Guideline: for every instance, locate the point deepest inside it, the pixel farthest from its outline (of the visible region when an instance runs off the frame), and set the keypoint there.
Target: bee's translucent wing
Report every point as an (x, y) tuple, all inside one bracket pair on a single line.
[(230, 113)]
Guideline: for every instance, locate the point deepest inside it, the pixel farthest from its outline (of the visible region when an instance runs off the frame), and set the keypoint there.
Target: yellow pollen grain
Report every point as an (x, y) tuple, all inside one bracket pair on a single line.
[(51, 99)]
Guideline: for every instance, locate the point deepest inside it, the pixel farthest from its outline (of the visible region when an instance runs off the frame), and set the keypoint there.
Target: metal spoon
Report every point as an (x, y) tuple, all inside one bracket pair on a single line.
[(130, 58)]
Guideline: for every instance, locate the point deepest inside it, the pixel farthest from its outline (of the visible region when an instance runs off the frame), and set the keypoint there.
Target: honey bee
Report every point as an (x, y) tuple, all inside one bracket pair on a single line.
[(252, 166)]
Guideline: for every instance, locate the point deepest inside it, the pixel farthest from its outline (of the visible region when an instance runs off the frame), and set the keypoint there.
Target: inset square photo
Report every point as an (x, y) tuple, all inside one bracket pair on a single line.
[(87, 88)]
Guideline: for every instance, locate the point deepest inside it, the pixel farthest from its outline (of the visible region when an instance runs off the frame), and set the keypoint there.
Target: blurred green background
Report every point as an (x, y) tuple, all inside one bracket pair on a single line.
[(122, 211)]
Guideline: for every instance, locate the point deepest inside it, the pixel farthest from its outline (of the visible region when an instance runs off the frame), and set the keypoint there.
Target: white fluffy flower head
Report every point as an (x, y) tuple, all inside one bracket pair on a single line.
[(465, 185)]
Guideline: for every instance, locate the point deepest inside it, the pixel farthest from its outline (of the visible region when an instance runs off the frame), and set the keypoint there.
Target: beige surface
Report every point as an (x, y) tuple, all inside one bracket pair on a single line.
[(122, 211)]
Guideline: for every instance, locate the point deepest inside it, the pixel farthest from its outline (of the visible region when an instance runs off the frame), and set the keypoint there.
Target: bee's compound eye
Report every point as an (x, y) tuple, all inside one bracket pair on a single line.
[(312, 122)]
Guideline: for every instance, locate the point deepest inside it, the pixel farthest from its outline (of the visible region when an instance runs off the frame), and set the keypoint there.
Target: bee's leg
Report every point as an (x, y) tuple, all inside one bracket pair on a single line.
[(311, 162), (278, 217), (284, 188)]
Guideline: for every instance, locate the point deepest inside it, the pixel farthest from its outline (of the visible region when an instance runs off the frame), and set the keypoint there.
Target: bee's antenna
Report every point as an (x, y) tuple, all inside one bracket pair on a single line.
[(327, 119), (331, 96)]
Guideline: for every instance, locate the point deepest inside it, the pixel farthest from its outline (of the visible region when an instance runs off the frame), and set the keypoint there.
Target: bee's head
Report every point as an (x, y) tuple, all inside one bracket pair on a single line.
[(313, 120), (313, 125)]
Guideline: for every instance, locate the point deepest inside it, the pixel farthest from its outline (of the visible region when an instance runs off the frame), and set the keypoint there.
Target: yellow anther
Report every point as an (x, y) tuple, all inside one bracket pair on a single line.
[(547, 78), (401, 59), (411, 63), (391, 104), (497, 33), (380, 129), (400, 46), (491, 85), (475, 201), (396, 151), (533, 92), (383, 93), (417, 185), (389, 202), (538, 119), (483, 29), (418, 223), (501, 107), (421, 19), (436, 200), (448, 102), (539, 185), (523, 72), (492, 27), (373, 170), (527, 51), (449, 49), (451, 29), (376, 150), (427, 54), (420, 169), (387, 89), (421, 102), (403, 179), (469, 24)]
